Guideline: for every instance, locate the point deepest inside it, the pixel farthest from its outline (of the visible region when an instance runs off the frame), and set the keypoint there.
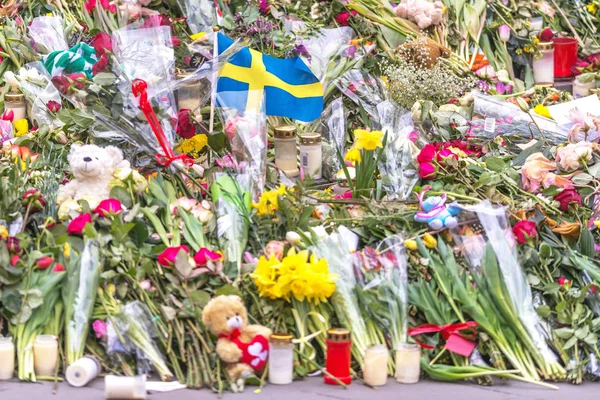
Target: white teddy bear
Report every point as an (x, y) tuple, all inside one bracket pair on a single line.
[(93, 168), (421, 12)]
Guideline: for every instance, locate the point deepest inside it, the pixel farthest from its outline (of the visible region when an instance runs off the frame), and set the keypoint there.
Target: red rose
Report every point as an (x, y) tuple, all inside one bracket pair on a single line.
[(524, 230), (78, 80), (343, 17), (427, 154), (185, 127), (102, 43), (167, 257), (89, 6), (204, 255), (100, 65), (78, 224), (53, 106), (58, 268), (546, 35), (62, 84), (156, 21), (13, 245), (108, 206), (44, 262), (14, 260), (566, 197), (8, 116), (427, 171)]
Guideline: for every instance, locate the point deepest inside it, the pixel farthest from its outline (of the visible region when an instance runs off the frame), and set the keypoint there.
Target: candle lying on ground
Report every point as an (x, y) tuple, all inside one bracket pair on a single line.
[(7, 359), (408, 359), (82, 371), (125, 387), (45, 355), (375, 365)]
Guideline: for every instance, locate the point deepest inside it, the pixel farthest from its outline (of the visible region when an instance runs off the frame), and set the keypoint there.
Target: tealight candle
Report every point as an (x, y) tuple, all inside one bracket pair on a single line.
[(375, 365), (286, 152), (7, 358), (543, 68), (582, 89), (311, 155), (408, 363), (45, 355)]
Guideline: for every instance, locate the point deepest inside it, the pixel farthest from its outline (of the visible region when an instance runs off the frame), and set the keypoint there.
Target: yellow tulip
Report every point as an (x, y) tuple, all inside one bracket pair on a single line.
[(21, 127), (429, 241), (67, 250), (411, 244)]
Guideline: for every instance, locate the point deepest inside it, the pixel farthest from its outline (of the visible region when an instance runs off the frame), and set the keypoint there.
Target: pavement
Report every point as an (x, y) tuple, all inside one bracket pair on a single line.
[(314, 388)]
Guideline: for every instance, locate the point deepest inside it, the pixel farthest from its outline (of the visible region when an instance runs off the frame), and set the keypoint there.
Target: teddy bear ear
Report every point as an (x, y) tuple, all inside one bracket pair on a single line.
[(116, 155), (206, 312), (74, 149)]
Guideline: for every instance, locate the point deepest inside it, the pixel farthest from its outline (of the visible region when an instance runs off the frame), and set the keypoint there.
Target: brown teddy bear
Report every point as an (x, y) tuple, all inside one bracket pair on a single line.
[(244, 348)]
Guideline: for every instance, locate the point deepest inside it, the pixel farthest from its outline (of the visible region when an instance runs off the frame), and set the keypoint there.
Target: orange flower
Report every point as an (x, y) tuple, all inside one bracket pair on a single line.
[(480, 62), (568, 229)]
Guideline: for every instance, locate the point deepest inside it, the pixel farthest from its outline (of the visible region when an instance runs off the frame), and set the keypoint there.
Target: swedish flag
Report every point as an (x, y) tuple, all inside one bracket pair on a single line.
[(289, 87)]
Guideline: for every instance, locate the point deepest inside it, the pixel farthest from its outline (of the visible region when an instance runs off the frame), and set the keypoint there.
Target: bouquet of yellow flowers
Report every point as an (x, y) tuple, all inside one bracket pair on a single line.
[(299, 274)]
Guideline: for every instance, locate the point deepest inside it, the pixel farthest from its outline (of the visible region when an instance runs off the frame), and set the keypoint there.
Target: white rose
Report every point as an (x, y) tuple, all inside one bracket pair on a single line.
[(122, 173), (293, 238), (68, 209), (11, 79), (573, 155)]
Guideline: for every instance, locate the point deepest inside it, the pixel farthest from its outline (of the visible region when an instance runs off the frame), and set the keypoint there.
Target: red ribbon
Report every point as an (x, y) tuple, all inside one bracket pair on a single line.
[(445, 331), (139, 88)]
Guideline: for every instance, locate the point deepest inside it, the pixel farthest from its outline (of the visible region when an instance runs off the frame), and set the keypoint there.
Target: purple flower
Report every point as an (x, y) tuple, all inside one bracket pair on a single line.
[(509, 89), (504, 32), (500, 88), (100, 329), (484, 86)]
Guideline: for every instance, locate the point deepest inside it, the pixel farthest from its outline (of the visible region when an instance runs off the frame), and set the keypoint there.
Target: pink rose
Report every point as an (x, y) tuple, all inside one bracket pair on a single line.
[(102, 43), (58, 268), (427, 154), (108, 206), (427, 171), (274, 249), (53, 106), (446, 155), (524, 231), (561, 181), (534, 170), (78, 223), (44, 262), (567, 197), (99, 328), (343, 17), (204, 255), (167, 257)]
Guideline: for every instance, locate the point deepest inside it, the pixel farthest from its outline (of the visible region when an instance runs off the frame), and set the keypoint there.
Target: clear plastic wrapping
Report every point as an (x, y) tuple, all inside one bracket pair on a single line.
[(494, 229), (48, 33), (200, 15), (79, 295), (364, 89), (247, 133), (399, 170), (333, 130), (493, 117)]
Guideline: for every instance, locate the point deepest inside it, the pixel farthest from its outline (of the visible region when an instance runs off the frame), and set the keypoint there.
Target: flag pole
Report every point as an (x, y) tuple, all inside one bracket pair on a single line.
[(214, 85)]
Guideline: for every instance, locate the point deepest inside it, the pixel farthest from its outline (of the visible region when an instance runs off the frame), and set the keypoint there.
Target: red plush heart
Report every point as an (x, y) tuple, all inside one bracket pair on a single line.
[(256, 352)]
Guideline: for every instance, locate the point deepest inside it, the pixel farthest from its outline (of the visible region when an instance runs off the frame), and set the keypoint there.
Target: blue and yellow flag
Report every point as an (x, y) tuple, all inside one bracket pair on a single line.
[(290, 89)]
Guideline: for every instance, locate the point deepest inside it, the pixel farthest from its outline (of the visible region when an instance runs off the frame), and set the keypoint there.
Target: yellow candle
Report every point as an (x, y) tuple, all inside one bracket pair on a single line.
[(45, 355), (408, 358), (7, 359), (375, 366)]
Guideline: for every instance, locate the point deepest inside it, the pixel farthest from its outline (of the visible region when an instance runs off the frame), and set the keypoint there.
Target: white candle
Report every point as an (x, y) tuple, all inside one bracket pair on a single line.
[(125, 387), (543, 69), (15, 102), (45, 355), (375, 365), (408, 358), (82, 371), (281, 359), (311, 155), (582, 89), (7, 359), (286, 151)]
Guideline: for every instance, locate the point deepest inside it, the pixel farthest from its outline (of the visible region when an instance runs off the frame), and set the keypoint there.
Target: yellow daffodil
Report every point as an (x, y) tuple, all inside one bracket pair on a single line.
[(268, 202), (197, 36), (368, 140), (21, 127), (3, 232), (353, 155), (592, 8), (543, 111)]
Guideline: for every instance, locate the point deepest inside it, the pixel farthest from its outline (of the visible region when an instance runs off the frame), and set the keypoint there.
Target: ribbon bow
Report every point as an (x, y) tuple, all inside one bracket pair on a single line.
[(139, 87), (455, 341)]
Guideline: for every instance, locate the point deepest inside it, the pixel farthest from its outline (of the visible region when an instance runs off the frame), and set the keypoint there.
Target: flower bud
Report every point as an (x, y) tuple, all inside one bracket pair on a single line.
[(293, 238)]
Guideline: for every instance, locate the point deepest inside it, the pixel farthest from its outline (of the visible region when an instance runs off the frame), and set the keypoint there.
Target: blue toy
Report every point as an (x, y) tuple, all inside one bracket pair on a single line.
[(436, 213)]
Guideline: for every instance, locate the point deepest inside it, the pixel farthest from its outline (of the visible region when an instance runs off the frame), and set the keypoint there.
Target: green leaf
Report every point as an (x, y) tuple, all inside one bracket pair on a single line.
[(543, 311), (551, 288), (495, 164), (520, 159), (105, 79), (182, 264), (581, 333), (121, 194), (200, 298), (227, 290), (89, 231), (586, 242), (169, 313), (564, 333), (570, 343)]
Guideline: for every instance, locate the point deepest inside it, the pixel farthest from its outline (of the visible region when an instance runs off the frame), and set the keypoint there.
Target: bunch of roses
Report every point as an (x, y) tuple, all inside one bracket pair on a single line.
[(440, 153), (202, 258)]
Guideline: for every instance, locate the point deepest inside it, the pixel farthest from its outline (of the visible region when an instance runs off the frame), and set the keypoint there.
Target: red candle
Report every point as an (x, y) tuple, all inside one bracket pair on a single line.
[(338, 357), (565, 55)]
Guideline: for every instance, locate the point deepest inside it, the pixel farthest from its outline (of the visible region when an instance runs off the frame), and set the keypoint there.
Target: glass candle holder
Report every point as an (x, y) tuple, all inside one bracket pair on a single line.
[(337, 360), (281, 359), (582, 89), (408, 363), (125, 387), (543, 68), (286, 151), (311, 155), (189, 96), (7, 358), (565, 55), (15, 102), (375, 365), (45, 355)]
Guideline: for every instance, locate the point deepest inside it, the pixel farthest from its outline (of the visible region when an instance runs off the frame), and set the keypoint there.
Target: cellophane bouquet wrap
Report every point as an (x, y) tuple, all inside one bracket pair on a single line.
[(333, 130), (499, 276), (246, 129), (133, 332), (232, 199), (399, 170), (79, 294), (363, 89)]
